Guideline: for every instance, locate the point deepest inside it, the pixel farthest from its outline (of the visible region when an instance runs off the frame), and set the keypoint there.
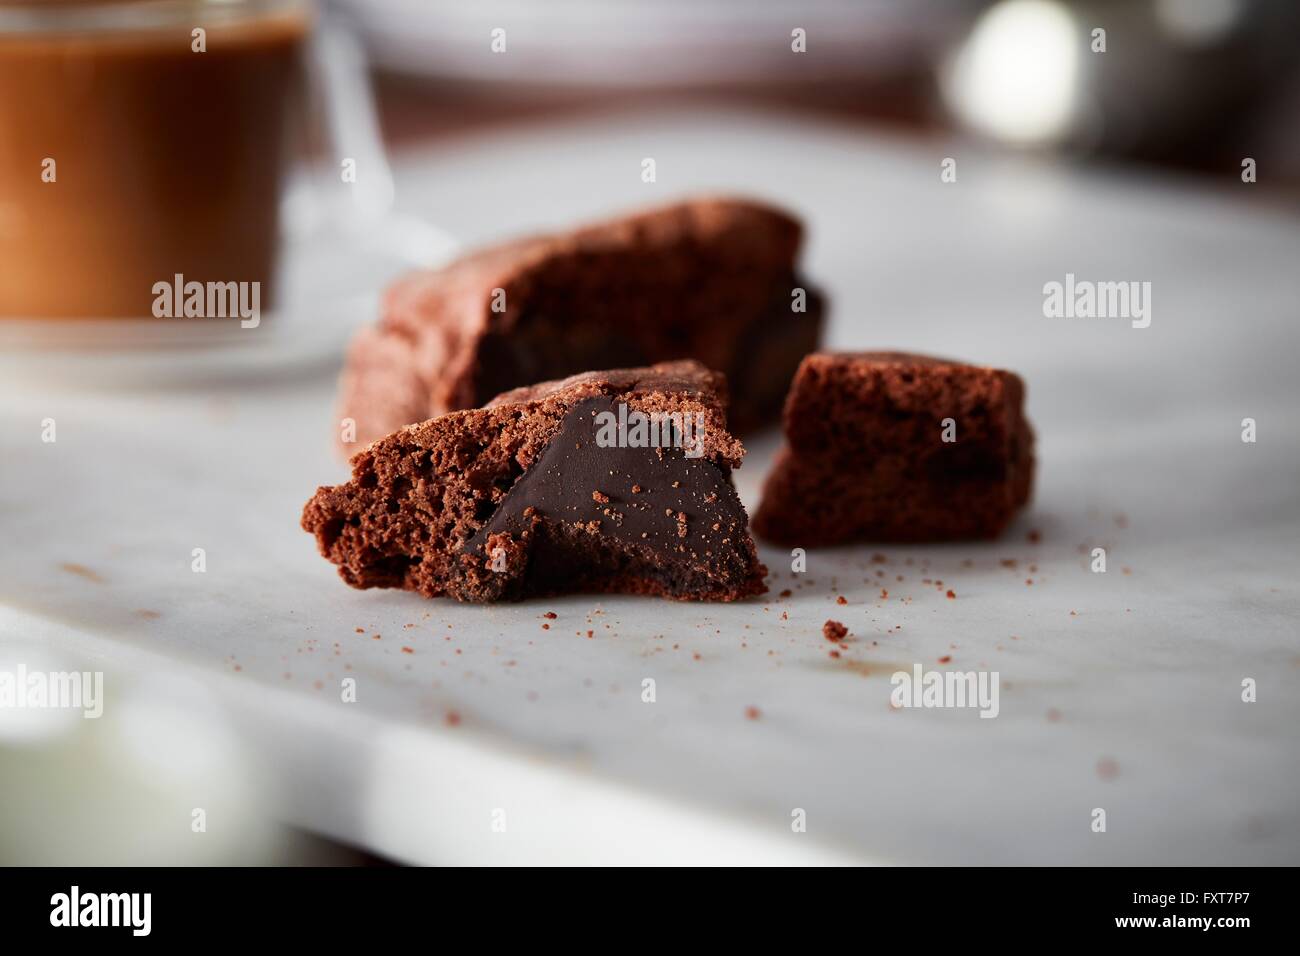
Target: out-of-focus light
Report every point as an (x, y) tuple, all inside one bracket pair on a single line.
[(25, 719), (159, 776), (1198, 22), (1016, 77)]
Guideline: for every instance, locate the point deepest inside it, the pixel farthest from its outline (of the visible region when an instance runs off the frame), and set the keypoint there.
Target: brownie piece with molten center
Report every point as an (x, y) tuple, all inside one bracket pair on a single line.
[(866, 456), (607, 481), (714, 280)]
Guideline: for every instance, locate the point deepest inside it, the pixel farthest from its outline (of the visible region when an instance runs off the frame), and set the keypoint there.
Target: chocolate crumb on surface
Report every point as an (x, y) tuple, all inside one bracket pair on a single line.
[(834, 631), (81, 571)]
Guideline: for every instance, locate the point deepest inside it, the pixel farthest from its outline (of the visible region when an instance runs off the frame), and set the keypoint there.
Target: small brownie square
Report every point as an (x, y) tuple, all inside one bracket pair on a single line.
[(887, 446)]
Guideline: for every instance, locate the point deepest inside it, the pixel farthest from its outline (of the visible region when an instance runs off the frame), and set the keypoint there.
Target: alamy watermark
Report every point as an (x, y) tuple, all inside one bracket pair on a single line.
[(179, 299), (630, 428), (1085, 299), (922, 688), (22, 689), (129, 910)]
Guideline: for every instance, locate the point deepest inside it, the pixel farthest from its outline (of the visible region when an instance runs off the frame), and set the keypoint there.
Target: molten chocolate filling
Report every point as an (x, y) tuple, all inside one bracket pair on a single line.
[(589, 507)]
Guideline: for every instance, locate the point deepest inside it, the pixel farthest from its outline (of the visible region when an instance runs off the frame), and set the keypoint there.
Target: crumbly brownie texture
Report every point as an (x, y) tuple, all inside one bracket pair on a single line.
[(520, 498), (864, 457), (710, 279)]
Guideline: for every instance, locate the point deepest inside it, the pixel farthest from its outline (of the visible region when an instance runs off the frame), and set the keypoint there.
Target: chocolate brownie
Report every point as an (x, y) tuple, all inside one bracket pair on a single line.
[(865, 455), (710, 279), (607, 481)]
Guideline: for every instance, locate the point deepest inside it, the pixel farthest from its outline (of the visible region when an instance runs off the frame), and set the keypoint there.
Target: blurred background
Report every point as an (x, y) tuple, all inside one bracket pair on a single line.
[(1182, 85), (1172, 89)]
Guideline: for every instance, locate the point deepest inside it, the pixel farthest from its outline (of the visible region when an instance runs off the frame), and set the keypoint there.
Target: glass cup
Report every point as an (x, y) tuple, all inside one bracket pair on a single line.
[(150, 152)]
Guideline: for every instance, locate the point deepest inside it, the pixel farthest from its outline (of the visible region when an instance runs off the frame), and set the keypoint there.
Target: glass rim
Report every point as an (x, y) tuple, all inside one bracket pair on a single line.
[(114, 16)]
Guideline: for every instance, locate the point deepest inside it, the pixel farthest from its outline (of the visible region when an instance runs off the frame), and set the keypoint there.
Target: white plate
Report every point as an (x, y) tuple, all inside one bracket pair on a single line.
[(656, 43)]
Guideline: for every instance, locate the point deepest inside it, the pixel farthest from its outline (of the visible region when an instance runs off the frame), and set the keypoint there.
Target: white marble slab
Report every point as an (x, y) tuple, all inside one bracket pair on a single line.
[(1119, 691)]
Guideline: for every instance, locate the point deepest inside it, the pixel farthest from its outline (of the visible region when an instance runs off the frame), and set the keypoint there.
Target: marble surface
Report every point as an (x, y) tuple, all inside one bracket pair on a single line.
[(1119, 690)]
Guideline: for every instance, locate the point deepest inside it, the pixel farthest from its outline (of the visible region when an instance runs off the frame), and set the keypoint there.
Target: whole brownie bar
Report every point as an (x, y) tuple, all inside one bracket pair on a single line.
[(613, 481), (866, 456), (710, 279)]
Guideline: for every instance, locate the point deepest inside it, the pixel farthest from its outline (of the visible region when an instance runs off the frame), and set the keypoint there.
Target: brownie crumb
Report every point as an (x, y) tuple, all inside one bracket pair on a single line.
[(834, 631), (81, 571)]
